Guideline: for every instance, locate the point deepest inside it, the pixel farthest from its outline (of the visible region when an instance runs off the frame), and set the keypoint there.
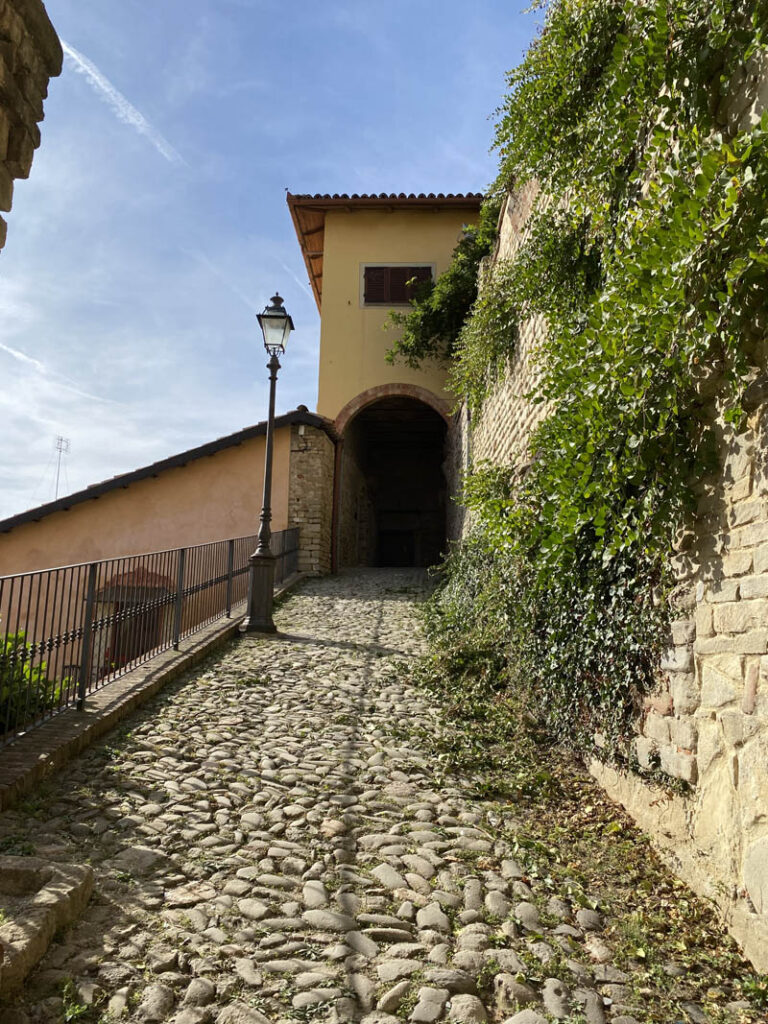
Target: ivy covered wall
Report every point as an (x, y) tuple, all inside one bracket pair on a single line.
[(611, 370)]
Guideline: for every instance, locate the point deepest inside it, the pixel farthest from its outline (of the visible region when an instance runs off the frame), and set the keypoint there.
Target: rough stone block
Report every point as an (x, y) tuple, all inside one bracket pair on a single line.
[(722, 590), (661, 703), (746, 512), (737, 563), (752, 535), (678, 764), (646, 751), (753, 587), (732, 724), (738, 462), (721, 680), (656, 727), (683, 733), (749, 696), (704, 621), (685, 692), (48, 897), (741, 617), (760, 559), (755, 642), (756, 874), (710, 743), (677, 659), (683, 631), (741, 489)]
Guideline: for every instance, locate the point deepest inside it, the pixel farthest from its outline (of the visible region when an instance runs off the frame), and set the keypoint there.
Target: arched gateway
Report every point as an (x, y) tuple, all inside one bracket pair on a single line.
[(390, 487)]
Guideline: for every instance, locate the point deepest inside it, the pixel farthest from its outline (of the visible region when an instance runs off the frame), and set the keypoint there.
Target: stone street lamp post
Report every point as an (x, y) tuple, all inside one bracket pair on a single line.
[(276, 326)]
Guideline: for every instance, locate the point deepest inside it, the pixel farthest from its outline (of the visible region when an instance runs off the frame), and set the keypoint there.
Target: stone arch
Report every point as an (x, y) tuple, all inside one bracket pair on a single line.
[(366, 398)]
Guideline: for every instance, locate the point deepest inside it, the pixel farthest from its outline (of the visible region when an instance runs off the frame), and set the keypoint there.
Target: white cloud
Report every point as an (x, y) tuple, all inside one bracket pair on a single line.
[(125, 110)]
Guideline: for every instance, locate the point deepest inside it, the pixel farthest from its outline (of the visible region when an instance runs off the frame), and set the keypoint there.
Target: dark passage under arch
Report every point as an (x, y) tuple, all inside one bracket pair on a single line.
[(392, 489)]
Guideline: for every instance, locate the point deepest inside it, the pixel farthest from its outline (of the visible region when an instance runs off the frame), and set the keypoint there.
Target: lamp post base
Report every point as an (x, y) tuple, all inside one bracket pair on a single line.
[(261, 584)]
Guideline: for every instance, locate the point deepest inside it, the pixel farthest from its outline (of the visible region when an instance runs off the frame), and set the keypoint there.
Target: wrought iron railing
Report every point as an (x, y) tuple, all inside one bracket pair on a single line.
[(66, 632)]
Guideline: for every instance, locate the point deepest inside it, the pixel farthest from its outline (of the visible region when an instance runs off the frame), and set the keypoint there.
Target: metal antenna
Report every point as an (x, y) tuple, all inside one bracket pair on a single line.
[(62, 447)]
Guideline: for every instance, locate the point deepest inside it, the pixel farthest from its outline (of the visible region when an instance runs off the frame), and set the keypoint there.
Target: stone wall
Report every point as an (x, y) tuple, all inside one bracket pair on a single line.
[(356, 517), (310, 496), (30, 55), (707, 724), (508, 418)]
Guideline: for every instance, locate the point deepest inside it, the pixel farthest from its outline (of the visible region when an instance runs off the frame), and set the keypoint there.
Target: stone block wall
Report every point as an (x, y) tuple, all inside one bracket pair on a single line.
[(708, 722), (310, 496), (30, 55)]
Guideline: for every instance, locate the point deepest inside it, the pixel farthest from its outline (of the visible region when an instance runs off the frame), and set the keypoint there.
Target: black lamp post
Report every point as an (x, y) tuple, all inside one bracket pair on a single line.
[(276, 326)]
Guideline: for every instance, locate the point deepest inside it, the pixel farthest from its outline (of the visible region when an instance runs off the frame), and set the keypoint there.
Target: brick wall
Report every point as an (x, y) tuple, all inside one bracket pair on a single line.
[(30, 54), (310, 496)]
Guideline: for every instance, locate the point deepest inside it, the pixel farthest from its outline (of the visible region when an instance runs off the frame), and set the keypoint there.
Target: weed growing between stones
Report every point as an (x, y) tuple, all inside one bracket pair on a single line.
[(16, 845), (72, 1008)]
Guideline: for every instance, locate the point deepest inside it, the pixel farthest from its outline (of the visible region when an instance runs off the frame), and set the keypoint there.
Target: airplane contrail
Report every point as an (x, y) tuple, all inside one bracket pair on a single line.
[(124, 109), (65, 382)]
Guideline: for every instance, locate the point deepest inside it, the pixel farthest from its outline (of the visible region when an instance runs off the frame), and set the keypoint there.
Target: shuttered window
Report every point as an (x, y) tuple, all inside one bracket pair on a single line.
[(389, 286)]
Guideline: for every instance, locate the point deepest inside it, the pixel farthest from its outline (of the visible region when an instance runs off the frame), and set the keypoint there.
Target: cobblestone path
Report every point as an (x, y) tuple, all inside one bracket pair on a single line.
[(266, 851)]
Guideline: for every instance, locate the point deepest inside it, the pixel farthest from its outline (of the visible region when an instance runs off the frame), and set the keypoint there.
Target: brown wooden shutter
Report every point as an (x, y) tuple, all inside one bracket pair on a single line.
[(376, 284), (398, 277), (420, 274), (389, 285)]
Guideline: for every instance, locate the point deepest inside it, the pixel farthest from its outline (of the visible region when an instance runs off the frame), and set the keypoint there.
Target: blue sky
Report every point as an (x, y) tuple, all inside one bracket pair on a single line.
[(154, 227)]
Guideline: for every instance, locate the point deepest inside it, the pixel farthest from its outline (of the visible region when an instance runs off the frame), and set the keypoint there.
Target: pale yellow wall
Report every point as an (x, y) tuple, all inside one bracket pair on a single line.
[(212, 498), (353, 345)]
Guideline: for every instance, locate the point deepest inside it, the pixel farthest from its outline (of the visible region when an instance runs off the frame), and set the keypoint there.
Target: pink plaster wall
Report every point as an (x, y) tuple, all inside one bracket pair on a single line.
[(212, 498)]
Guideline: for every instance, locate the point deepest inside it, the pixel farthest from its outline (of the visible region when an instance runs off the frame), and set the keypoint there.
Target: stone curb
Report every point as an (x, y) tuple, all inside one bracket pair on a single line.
[(58, 894), (25, 762)]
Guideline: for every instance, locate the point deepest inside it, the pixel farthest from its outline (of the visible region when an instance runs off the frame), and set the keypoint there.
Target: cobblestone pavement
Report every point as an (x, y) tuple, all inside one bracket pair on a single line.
[(266, 851)]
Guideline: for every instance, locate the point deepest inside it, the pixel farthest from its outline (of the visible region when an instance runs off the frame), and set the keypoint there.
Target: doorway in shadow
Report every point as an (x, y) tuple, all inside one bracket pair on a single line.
[(393, 493)]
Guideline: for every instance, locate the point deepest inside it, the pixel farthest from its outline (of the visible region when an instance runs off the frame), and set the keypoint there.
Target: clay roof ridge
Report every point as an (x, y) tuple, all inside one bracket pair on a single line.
[(319, 196)]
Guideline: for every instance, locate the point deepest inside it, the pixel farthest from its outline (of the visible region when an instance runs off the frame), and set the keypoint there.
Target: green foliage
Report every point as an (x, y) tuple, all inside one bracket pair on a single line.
[(72, 1008), (439, 308), (529, 658), (25, 689), (645, 259)]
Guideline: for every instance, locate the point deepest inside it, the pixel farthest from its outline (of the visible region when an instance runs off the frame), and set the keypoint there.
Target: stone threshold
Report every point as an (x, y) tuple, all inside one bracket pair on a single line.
[(26, 761)]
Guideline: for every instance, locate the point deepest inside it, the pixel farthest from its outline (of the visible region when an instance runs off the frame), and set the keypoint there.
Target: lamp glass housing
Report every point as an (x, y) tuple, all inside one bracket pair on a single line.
[(276, 326)]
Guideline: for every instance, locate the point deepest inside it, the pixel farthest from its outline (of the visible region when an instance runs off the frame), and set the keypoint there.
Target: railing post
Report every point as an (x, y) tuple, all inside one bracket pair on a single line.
[(179, 598), (230, 574), (85, 654)]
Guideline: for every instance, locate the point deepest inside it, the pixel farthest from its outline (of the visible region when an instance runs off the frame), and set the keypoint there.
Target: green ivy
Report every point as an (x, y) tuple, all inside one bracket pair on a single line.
[(430, 329), (645, 260)]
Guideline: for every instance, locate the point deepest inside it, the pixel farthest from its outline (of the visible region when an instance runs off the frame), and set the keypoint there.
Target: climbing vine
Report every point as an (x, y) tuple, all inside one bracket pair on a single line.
[(430, 329), (645, 256)]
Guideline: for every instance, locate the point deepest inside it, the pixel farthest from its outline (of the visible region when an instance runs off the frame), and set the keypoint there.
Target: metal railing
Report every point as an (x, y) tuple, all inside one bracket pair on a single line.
[(66, 632)]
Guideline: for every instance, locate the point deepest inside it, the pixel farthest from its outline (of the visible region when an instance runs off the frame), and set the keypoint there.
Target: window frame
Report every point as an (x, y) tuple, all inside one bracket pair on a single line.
[(410, 264)]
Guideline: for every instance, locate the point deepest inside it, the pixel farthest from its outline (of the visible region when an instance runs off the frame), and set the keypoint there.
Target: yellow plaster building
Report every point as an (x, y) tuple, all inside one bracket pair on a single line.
[(391, 420)]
